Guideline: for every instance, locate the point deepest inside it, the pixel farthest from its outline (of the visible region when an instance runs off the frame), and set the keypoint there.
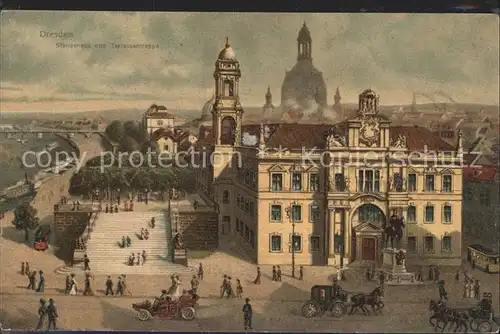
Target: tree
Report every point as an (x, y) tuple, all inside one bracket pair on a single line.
[(131, 129), (115, 131), (129, 144), (25, 218)]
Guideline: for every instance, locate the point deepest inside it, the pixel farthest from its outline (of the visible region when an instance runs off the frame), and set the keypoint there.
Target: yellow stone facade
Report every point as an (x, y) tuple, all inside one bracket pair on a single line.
[(329, 190)]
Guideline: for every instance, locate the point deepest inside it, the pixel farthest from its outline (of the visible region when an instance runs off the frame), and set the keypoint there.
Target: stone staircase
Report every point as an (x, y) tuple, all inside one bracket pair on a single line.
[(106, 256)]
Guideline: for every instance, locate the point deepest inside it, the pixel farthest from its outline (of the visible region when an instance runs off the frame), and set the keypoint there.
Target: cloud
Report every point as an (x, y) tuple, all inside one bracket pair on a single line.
[(394, 54)]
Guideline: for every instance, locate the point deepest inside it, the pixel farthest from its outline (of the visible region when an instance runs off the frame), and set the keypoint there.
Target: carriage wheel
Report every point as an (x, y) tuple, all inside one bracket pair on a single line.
[(187, 313), (474, 325), (337, 310), (143, 315), (485, 327), (309, 309)]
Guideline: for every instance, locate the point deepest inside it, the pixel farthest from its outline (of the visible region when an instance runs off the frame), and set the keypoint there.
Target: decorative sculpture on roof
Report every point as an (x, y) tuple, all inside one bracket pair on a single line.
[(400, 141), (335, 140)]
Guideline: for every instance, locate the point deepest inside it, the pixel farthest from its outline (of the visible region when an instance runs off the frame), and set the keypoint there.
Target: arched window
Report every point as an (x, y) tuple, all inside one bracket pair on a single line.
[(369, 212)]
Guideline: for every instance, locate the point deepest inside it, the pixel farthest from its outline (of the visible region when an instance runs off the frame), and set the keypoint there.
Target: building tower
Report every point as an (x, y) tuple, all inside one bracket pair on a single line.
[(337, 106), (268, 108), (304, 44), (227, 112)]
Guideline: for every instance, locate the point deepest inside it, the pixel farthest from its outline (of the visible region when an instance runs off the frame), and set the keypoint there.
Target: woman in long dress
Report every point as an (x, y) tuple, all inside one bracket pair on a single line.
[(74, 286)]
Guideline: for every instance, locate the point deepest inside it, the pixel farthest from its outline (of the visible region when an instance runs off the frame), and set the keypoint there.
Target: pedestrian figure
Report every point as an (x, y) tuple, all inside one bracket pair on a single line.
[(119, 286), (437, 273), (131, 206), (88, 289), (301, 273), (27, 271), (431, 273), (32, 281), (368, 273), (381, 278), (442, 290), (194, 284), (153, 222), (41, 283), (42, 314), (143, 255), (229, 288), (476, 289), (116, 208), (466, 285), (125, 206), (109, 286), (470, 288), (278, 273), (274, 274), (457, 275), (107, 208), (200, 272), (119, 198), (73, 289), (247, 314), (138, 259), (52, 315), (223, 287), (68, 284), (239, 289), (257, 279), (129, 241), (22, 268), (86, 262)]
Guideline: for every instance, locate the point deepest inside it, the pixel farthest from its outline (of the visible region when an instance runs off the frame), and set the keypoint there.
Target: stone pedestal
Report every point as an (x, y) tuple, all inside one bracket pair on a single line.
[(395, 271)]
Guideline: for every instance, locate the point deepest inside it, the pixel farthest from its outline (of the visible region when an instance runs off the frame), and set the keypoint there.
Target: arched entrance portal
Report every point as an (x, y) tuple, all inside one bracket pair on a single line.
[(367, 227), (228, 131)]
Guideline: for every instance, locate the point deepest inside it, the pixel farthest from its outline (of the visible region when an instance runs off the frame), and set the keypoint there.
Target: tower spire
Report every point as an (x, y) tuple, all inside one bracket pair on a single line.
[(227, 42)]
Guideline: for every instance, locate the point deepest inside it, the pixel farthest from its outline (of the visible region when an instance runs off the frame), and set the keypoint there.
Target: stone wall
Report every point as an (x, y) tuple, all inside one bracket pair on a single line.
[(199, 230), (69, 225)]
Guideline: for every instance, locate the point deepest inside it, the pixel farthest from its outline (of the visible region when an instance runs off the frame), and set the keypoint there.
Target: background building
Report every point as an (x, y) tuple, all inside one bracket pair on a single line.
[(157, 117)]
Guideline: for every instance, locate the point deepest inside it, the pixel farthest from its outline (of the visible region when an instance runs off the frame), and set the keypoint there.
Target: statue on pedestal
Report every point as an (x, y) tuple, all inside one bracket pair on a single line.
[(178, 243), (394, 230), (400, 257)]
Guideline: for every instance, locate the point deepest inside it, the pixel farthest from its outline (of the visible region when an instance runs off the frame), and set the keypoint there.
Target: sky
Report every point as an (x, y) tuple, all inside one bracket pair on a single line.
[(394, 54)]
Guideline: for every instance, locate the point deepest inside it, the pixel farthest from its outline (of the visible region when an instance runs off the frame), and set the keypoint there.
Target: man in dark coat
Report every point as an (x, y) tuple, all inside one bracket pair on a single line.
[(223, 287), (109, 286), (52, 314), (442, 291), (86, 263), (278, 273), (257, 279), (247, 314), (42, 313), (200, 272), (301, 273)]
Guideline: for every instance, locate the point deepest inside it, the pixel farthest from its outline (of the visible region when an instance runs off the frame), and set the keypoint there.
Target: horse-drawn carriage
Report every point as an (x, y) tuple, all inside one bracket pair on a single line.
[(184, 307), (479, 318), (336, 301)]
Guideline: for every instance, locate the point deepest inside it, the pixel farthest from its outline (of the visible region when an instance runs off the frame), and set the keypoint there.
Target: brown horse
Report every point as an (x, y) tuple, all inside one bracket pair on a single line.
[(372, 299)]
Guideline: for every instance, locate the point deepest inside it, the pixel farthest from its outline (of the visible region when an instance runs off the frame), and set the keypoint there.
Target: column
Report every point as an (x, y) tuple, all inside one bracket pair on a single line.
[(347, 237), (331, 233)]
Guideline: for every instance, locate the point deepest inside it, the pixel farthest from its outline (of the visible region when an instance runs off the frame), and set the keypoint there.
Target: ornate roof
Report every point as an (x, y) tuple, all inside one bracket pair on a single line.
[(304, 34), (227, 53)]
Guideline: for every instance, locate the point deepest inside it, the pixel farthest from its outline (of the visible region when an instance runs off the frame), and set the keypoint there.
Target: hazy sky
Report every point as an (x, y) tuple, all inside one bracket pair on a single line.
[(394, 54)]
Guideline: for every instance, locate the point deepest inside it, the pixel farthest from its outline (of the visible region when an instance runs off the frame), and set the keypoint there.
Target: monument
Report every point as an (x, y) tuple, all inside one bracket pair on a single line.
[(394, 256)]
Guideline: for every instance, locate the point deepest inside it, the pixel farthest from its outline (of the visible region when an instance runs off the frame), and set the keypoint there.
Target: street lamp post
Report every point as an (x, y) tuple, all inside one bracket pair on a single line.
[(289, 216)]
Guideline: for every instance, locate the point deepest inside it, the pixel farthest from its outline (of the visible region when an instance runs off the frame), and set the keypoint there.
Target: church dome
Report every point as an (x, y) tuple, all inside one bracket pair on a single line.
[(227, 53), (207, 109), (369, 93)]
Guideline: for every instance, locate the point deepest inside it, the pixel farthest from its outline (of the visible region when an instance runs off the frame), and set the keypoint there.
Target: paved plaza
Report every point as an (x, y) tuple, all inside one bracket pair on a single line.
[(277, 305)]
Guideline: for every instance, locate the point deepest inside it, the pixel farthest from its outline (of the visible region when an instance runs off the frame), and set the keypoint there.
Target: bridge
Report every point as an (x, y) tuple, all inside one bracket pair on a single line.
[(9, 134)]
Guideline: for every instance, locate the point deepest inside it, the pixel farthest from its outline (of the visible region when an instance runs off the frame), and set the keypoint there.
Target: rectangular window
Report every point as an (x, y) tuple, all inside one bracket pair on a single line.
[(296, 213), (412, 182), (397, 182), (447, 214), (247, 232), (446, 244), (315, 213), (225, 197), (484, 197), (429, 214), (276, 213), (411, 213), (296, 181), (429, 183), (237, 225), (447, 185), (277, 182), (314, 182), (340, 182), (275, 243), (369, 181), (252, 209), (314, 243), (429, 244), (252, 238), (228, 88), (242, 228), (247, 206), (412, 245), (297, 243)]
